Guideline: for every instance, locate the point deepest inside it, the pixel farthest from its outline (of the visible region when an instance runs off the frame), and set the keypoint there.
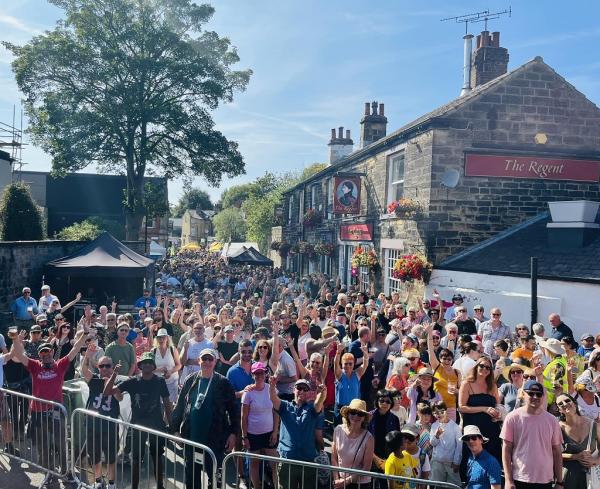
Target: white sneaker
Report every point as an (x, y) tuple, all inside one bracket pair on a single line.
[(98, 485), (111, 486)]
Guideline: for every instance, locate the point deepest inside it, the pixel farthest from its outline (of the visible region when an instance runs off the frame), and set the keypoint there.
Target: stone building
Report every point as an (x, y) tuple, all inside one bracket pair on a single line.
[(478, 165), (196, 226)]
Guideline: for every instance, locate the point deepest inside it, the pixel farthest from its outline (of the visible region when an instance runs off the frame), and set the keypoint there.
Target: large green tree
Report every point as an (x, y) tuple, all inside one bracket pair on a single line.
[(192, 199), (230, 225), (20, 217), (128, 85)]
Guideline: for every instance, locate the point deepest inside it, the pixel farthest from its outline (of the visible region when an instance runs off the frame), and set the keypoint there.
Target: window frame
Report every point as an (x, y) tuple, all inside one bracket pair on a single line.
[(392, 184)]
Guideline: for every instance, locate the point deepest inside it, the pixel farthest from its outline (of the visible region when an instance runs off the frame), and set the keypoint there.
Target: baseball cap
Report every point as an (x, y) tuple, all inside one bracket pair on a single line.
[(457, 297), (258, 367), (147, 357), (533, 386), (45, 287), (302, 382), (35, 328), (587, 336), (41, 317), (411, 429), (45, 346), (207, 351), (228, 329)]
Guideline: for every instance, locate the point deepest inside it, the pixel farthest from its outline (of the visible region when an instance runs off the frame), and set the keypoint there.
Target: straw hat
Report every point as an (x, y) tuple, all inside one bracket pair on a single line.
[(328, 332), (356, 405), (506, 371), (553, 345)]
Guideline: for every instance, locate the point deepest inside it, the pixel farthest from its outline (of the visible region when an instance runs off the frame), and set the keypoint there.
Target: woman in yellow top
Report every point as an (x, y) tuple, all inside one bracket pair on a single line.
[(399, 462), (447, 376), (575, 362)]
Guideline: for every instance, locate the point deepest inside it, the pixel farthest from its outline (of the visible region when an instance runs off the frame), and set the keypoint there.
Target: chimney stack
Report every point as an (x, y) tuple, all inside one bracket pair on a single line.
[(339, 146), (373, 125), (489, 60)]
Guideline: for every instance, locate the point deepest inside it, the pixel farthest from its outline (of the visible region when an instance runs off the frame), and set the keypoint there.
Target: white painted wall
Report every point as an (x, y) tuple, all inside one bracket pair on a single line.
[(575, 302)]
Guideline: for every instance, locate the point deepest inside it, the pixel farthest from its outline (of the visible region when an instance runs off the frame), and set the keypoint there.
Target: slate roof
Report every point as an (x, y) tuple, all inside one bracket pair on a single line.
[(509, 253)]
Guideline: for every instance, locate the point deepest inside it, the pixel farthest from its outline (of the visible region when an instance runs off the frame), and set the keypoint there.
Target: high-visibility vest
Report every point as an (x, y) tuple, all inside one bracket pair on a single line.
[(555, 371)]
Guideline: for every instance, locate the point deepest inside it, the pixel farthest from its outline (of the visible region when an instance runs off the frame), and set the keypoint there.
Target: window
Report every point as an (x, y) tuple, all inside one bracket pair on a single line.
[(390, 283), (395, 172), (313, 197), (301, 206), (330, 198), (290, 209)]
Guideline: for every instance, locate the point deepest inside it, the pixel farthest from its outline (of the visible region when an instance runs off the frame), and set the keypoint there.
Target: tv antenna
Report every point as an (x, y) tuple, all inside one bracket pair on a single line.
[(482, 16)]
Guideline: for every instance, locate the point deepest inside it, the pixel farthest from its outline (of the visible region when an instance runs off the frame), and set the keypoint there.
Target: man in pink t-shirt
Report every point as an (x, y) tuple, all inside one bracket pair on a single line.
[(532, 449)]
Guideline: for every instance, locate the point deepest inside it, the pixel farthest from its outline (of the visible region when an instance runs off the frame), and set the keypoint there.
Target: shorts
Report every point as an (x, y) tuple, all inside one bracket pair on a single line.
[(260, 442), (4, 409), (103, 439)]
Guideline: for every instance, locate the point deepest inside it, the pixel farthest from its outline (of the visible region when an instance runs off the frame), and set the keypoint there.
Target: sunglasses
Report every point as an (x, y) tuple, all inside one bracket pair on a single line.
[(518, 372), (356, 413), (385, 401), (484, 367), (521, 329), (207, 358), (452, 332), (105, 365), (538, 395), (263, 347), (564, 403), (445, 357), (471, 437), (496, 314), (302, 388), (529, 377), (36, 332), (246, 352)]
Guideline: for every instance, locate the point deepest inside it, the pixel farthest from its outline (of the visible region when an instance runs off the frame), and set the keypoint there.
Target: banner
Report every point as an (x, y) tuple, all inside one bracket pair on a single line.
[(346, 195), (531, 167)]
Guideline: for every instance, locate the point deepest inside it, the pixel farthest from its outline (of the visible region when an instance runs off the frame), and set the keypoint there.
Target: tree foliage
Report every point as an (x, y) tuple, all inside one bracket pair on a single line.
[(20, 217), (128, 85), (229, 225), (192, 199), (91, 228)]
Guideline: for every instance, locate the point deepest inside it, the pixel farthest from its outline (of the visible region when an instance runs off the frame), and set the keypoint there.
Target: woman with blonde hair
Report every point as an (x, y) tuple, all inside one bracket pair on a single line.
[(168, 363), (267, 354), (353, 446), (477, 401)]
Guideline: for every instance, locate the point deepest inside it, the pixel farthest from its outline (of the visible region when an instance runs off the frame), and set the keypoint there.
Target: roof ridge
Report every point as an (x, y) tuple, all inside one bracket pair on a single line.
[(495, 239)]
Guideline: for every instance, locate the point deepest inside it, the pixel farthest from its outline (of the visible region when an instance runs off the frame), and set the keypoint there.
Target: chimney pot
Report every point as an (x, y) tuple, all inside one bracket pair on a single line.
[(374, 108), (485, 38), (333, 134), (381, 109), (347, 133), (367, 108), (341, 132), (496, 39)]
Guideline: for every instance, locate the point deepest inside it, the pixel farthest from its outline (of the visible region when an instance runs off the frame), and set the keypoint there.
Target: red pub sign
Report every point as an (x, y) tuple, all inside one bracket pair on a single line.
[(532, 167), (356, 232)]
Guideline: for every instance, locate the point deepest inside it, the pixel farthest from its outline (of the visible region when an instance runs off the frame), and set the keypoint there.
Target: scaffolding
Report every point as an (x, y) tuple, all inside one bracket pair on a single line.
[(11, 141)]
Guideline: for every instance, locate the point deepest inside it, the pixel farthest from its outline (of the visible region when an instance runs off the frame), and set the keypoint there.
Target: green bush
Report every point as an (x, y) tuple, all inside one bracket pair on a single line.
[(20, 217)]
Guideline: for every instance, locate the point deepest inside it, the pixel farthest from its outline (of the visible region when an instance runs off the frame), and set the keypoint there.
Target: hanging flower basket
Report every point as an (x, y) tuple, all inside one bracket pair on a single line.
[(364, 258), (305, 248), (324, 249), (275, 245), (412, 267), (405, 209), (284, 248), (293, 249), (311, 218)]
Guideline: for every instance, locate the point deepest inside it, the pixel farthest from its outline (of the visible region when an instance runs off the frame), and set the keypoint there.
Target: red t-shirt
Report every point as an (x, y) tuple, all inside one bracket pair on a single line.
[(47, 383)]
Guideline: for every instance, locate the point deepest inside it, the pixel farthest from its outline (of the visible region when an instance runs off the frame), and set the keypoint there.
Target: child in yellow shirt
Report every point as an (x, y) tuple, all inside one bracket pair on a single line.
[(399, 462)]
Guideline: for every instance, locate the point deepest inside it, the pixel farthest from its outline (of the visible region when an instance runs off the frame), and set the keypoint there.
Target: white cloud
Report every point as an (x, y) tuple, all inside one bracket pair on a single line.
[(15, 23)]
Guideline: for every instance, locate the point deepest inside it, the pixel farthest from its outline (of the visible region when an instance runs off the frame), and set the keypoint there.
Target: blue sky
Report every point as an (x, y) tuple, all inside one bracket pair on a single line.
[(316, 62)]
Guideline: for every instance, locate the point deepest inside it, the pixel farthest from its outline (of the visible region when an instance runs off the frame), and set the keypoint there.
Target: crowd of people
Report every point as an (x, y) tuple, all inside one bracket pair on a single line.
[(308, 369)]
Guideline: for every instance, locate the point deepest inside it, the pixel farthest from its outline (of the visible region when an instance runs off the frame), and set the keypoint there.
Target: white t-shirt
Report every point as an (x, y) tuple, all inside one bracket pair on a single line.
[(1, 370), (464, 365), (589, 411), (260, 417), (426, 467), (286, 368)]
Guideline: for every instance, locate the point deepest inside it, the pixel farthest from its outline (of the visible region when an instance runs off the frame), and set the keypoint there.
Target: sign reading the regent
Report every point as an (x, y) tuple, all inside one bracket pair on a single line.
[(356, 232), (532, 167)]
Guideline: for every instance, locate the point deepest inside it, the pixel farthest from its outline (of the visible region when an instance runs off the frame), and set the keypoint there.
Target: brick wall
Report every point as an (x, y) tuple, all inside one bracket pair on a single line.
[(22, 264)]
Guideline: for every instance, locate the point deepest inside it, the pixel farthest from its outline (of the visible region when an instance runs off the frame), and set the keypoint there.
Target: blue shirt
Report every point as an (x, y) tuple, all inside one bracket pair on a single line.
[(239, 378), (141, 302), (19, 308), (585, 352), (482, 471), (347, 389), (297, 433)]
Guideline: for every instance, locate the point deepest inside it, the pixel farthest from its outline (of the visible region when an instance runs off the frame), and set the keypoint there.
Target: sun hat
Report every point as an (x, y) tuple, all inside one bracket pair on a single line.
[(506, 371), (586, 382), (426, 372), (471, 430), (553, 345), (355, 405), (411, 429), (147, 357), (329, 332), (258, 367), (162, 332)]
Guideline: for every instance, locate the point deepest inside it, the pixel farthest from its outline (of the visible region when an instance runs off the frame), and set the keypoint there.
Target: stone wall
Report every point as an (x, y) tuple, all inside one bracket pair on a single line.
[(22, 264)]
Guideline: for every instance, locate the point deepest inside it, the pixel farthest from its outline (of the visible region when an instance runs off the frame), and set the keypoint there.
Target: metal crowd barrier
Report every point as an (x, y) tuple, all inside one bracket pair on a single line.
[(38, 429), (138, 456), (294, 474)]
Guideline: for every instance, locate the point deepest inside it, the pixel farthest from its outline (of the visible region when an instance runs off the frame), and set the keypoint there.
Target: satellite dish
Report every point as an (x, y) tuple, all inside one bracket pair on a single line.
[(450, 178)]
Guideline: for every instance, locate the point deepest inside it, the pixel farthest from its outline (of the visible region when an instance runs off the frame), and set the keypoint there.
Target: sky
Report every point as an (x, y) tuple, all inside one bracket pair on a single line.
[(317, 62)]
